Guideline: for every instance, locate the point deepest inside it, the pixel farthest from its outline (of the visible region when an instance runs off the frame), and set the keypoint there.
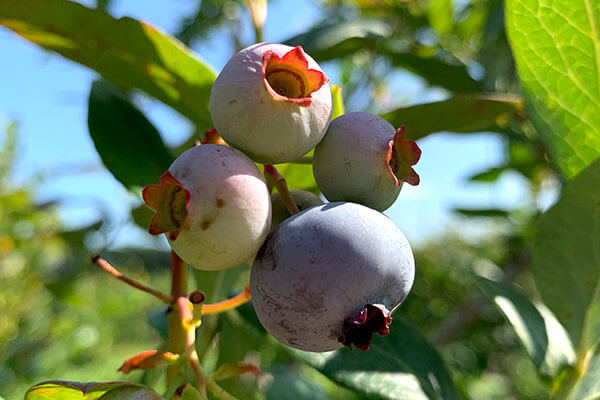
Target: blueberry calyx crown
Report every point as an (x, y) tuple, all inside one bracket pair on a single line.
[(402, 155), (289, 78), (358, 330), (170, 200)]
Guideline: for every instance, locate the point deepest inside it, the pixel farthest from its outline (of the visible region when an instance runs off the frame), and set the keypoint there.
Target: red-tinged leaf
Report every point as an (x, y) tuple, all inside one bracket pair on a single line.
[(228, 370), (147, 360)]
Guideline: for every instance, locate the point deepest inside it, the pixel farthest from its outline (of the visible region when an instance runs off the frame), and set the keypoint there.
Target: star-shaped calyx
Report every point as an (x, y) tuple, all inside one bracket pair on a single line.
[(358, 330), (289, 78), (402, 155), (170, 200)]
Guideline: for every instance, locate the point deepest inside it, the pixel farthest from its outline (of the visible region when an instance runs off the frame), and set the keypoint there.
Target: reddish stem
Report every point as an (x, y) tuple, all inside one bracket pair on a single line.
[(178, 335), (274, 178), (105, 265)]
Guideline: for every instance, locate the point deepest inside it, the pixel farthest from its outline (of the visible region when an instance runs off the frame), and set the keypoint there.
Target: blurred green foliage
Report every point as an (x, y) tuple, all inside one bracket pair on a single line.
[(56, 317)]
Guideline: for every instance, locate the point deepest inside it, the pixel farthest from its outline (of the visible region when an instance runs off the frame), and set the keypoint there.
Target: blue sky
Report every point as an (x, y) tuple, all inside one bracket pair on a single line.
[(47, 96)]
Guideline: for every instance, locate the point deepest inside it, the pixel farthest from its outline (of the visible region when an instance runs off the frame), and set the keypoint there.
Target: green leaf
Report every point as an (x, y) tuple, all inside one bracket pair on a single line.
[(588, 387), (65, 390), (327, 42), (125, 51), (541, 335), (189, 393), (337, 106), (482, 212), (401, 365), (129, 145), (439, 13), (299, 176), (489, 175), (460, 114), (566, 258), (130, 393), (557, 50), (454, 77)]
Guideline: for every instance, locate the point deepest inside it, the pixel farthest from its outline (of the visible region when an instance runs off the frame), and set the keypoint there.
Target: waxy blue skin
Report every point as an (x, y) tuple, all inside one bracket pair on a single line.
[(324, 265)]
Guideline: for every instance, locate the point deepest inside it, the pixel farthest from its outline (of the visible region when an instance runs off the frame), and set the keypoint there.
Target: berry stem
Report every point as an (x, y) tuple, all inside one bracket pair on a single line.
[(178, 335), (105, 265), (274, 178), (228, 304), (217, 391)]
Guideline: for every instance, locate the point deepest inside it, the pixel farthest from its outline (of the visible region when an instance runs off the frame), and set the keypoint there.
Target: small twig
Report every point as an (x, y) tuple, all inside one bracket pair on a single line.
[(200, 377), (278, 181), (178, 335), (228, 304), (102, 263)]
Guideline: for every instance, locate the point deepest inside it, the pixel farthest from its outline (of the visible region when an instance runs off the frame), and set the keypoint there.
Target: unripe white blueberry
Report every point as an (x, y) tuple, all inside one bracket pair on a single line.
[(363, 159), (271, 101), (214, 205)]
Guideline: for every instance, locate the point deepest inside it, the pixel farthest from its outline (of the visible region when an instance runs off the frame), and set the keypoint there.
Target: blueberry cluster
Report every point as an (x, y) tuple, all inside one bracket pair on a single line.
[(330, 275)]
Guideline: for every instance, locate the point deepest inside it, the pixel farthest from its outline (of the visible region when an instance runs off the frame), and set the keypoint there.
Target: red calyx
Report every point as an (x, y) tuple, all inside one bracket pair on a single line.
[(289, 78), (170, 200), (402, 155), (358, 330)]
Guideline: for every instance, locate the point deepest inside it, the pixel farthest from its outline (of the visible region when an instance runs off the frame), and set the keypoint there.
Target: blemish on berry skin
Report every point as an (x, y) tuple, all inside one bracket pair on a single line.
[(220, 203), (205, 225)]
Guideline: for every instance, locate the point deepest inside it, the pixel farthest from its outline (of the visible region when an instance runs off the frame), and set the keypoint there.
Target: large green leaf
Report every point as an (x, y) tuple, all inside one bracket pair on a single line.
[(556, 44), (125, 51), (129, 145), (566, 258), (460, 114), (436, 72), (326, 42), (401, 365), (65, 390), (541, 335), (588, 387), (338, 40)]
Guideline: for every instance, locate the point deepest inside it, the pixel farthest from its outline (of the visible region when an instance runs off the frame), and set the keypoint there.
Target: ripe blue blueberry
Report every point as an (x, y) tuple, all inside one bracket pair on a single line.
[(330, 276)]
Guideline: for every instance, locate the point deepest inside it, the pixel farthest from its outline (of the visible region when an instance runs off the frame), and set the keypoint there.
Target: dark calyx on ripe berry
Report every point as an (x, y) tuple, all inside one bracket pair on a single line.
[(359, 330)]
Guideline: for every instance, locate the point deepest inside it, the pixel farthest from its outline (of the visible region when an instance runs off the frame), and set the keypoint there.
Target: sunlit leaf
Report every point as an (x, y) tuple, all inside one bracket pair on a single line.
[(440, 16), (129, 145), (588, 387), (401, 365), (65, 390), (557, 49), (128, 52), (566, 258), (460, 114), (337, 106), (326, 42), (454, 77), (541, 335)]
